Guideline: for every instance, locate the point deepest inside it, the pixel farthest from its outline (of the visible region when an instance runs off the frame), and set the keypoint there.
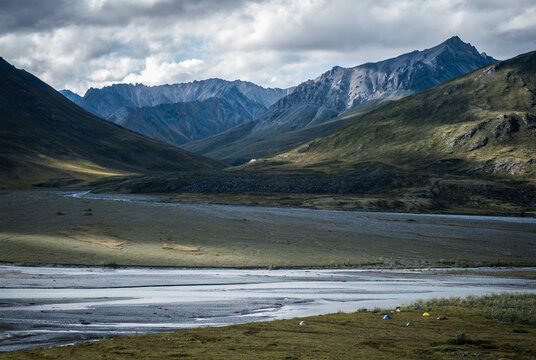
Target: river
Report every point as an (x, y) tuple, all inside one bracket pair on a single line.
[(45, 306)]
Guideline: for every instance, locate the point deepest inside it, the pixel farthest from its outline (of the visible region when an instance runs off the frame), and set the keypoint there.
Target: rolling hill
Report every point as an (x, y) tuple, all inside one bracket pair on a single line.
[(45, 137)]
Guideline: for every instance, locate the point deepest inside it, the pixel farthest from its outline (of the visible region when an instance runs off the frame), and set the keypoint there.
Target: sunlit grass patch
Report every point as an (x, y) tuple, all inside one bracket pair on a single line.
[(506, 307), (81, 166), (96, 234)]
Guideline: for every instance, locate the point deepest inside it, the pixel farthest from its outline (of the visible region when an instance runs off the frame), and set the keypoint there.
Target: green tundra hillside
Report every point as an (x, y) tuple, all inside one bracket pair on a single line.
[(482, 124)]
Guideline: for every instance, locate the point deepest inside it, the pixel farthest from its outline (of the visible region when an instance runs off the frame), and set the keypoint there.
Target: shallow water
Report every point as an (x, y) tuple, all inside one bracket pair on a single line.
[(44, 306), (284, 211)]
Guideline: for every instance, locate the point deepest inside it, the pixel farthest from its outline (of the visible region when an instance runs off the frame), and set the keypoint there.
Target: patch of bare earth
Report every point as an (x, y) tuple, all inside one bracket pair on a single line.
[(180, 247), (171, 244), (96, 234)]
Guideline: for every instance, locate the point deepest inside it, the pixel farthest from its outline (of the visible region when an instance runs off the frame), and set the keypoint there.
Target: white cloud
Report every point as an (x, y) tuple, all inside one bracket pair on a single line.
[(273, 43), (527, 20), (162, 72)]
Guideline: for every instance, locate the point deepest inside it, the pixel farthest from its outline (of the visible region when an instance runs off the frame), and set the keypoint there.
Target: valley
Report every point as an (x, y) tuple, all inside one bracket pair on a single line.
[(189, 200), (477, 125), (361, 88)]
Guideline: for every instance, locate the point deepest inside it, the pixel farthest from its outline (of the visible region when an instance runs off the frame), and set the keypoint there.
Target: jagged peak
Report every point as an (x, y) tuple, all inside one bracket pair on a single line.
[(455, 40), (452, 44)]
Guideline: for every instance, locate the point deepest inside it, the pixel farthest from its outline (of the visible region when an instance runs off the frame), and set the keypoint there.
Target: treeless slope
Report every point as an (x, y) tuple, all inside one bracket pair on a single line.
[(479, 124), (338, 90), (44, 136)]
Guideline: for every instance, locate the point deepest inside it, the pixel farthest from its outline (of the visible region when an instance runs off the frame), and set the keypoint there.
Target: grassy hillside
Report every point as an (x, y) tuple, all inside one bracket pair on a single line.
[(480, 124), (45, 137)]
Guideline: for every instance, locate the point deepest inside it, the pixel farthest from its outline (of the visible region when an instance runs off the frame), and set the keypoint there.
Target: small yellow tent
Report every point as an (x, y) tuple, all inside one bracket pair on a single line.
[(426, 314)]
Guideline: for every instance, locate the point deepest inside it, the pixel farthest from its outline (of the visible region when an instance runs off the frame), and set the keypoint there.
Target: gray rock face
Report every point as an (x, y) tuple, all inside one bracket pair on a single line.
[(184, 122), (106, 101), (74, 97), (341, 89), (181, 113)]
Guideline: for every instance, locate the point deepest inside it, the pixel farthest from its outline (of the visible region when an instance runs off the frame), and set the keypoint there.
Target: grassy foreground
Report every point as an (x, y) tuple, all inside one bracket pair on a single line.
[(364, 335), (520, 274)]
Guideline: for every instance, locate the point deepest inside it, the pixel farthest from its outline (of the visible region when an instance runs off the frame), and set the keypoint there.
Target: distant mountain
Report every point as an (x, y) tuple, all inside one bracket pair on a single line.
[(479, 125), (138, 107), (74, 97), (44, 136), (339, 90), (184, 122)]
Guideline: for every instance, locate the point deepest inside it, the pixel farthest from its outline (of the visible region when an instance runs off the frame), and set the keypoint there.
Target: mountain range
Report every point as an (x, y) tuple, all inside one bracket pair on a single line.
[(482, 124), (300, 115), (464, 146), (179, 113), (44, 137), (183, 122)]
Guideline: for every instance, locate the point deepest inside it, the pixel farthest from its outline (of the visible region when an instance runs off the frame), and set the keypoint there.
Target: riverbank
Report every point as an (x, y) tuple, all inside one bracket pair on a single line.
[(347, 202), (39, 227), (370, 187), (465, 332), (46, 306)]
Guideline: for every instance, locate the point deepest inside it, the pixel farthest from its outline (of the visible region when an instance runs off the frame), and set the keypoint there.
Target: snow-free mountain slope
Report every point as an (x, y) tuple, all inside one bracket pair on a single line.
[(106, 101), (181, 113), (341, 89), (184, 122), (482, 124)]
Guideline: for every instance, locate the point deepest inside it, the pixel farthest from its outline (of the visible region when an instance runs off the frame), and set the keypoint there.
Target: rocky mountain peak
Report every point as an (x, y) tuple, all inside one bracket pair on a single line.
[(305, 110), (340, 89)]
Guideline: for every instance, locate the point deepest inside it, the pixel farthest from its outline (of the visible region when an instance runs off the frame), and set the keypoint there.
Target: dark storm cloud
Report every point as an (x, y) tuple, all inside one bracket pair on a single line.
[(83, 43), (39, 15), (34, 15)]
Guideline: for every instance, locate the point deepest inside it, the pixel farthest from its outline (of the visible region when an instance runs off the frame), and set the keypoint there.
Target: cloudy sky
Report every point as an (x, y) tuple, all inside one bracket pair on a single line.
[(94, 43)]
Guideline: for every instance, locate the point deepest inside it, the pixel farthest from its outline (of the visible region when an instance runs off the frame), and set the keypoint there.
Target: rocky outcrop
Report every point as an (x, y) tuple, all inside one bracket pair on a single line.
[(358, 182)]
